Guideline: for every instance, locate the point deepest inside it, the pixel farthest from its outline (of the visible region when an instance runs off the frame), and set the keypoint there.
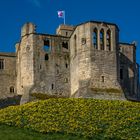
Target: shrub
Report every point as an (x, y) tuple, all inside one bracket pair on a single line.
[(98, 119)]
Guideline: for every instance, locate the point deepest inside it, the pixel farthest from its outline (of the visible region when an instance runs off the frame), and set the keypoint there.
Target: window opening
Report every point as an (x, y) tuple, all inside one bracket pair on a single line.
[(75, 44), (65, 45), (95, 38), (47, 45), (121, 74), (12, 89), (108, 38), (46, 57), (103, 79), (52, 86), (66, 65), (1, 64), (102, 39)]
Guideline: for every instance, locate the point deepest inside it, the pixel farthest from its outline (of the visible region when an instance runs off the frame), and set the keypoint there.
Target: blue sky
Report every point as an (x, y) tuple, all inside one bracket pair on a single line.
[(43, 13)]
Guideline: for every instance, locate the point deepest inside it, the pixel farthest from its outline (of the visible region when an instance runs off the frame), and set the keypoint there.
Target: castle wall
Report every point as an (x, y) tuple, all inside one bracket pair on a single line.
[(83, 61), (8, 76), (129, 80), (93, 68), (80, 60), (104, 63), (52, 73), (25, 70)]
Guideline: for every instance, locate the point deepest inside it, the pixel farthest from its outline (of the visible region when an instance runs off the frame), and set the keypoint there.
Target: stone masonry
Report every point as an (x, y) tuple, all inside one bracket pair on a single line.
[(83, 61)]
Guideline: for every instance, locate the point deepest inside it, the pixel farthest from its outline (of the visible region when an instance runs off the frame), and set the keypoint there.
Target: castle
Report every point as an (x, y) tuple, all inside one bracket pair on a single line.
[(85, 61)]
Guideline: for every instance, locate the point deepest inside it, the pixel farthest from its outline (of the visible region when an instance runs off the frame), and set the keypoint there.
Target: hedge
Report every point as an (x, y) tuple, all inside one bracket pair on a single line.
[(98, 119)]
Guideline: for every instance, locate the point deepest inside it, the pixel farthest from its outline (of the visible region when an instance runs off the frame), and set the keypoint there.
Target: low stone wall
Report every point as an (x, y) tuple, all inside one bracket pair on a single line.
[(10, 101)]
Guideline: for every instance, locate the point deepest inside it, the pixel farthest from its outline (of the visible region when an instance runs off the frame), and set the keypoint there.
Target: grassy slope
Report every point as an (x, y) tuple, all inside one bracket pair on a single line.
[(99, 119), (14, 133)]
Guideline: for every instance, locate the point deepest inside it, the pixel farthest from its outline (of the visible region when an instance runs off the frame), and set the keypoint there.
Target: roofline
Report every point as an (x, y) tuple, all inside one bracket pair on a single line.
[(99, 22), (124, 43), (55, 35), (7, 54)]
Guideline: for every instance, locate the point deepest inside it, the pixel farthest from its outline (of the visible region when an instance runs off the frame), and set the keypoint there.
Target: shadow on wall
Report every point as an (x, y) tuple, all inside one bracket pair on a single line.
[(10, 101), (128, 77)]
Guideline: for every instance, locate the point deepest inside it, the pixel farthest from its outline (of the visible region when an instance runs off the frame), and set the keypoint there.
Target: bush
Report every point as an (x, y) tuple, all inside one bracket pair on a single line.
[(98, 119)]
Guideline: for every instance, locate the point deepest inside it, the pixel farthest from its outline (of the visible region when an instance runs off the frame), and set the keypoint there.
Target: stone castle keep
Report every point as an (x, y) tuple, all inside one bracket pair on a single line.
[(86, 60)]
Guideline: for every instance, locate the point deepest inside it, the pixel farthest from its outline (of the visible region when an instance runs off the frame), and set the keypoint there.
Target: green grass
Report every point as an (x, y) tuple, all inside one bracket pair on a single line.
[(14, 133), (95, 119)]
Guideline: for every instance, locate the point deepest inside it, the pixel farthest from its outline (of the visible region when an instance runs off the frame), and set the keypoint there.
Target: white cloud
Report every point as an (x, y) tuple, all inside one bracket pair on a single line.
[(35, 3)]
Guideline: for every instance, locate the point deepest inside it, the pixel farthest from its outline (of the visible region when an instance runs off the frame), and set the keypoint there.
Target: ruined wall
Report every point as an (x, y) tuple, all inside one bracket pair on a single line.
[(8, 75), (65, 30), (51, 64), (128, 67), (72, 63)]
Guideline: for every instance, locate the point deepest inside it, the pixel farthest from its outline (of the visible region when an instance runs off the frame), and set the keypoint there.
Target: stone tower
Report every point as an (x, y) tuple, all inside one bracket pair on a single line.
[(94, 59), (25, 61)]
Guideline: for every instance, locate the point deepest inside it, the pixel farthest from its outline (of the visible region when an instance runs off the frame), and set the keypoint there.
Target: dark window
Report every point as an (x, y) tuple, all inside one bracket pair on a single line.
[(121, 74), (66, 65), (46, 57), (1, 64), (12, 89), (66, 33), (52, 86), (47, 45), (65, 45), (103, 79), (95, 38), (108, 39), (102, 39), (75, 44)]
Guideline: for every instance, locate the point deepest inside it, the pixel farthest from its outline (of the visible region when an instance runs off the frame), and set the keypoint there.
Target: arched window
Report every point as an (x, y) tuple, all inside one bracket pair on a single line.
[(11, 89), (75, 44), (46, 57), (95, 41), (108, 40), (102, 39)]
